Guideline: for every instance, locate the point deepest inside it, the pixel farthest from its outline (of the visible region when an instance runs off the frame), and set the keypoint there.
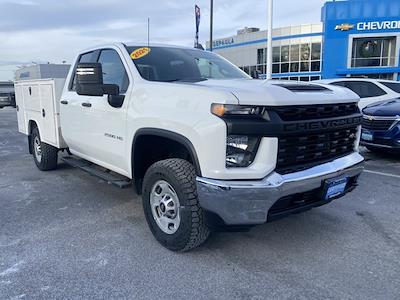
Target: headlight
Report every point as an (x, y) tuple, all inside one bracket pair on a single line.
[(226, 110), (241, 150)]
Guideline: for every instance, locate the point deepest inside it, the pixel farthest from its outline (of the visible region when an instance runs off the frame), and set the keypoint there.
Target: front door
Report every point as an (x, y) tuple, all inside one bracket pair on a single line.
[(106, 126)]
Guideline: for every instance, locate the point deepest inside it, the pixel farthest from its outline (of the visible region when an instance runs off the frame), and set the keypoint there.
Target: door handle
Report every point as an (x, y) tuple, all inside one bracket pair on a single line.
[(85, 104), (65, 102)]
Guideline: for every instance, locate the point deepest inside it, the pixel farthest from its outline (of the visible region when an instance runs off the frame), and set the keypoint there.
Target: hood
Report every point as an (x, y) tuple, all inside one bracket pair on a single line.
[(387, 108), (276, 93)]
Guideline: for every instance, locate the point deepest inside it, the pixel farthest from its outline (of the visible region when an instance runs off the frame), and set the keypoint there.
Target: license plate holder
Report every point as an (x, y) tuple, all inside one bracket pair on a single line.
[(334, 188), (367, 136)]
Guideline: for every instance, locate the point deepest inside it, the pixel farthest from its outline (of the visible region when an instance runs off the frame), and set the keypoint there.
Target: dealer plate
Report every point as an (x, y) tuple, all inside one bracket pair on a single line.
[(335, 187), (367, 136)]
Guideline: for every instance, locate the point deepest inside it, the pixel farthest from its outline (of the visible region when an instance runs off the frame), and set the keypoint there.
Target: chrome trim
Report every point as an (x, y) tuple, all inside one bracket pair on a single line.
[(395, 119), (276, 180), (241, 202), (383, 118)]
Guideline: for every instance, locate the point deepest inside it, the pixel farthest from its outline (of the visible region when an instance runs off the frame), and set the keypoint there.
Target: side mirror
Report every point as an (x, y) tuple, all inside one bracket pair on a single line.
[(89, 81)]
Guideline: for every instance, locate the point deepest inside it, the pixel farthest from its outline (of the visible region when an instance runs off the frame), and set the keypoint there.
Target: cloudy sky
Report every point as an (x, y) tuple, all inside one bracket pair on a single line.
[(53, 31)]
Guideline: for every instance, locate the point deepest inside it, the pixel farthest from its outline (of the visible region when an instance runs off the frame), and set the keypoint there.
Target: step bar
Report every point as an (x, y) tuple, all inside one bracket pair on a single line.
[(94, 170)]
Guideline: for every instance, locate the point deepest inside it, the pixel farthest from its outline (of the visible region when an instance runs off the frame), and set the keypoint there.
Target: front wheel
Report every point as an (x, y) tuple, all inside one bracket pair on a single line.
[(171, 206), (44, 155)]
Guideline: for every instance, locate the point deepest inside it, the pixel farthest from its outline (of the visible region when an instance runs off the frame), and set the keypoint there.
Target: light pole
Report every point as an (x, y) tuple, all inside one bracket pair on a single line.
[(269, 39), (211, 23)]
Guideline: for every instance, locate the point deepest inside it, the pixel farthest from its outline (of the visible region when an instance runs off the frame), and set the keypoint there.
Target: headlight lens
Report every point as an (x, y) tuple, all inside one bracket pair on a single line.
[(226, 110), (241, 150)]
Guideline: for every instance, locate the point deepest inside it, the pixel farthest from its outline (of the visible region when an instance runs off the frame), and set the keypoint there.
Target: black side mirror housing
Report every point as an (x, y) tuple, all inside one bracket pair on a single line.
[(116, 101), (89, 81)]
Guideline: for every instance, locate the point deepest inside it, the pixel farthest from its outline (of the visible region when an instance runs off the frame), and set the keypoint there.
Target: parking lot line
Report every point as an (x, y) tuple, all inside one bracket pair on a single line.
[(381, 173)]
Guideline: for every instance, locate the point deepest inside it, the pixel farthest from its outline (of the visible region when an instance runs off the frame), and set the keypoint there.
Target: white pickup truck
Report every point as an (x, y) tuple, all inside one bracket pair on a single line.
[(205, 145)]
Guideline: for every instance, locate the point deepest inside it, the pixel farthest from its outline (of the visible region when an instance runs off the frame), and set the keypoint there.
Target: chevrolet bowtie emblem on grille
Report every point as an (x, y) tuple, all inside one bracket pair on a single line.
[(344, 27)]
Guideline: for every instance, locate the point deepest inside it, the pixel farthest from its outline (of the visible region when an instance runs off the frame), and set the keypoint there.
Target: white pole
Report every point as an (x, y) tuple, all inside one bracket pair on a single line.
[(269, 42)]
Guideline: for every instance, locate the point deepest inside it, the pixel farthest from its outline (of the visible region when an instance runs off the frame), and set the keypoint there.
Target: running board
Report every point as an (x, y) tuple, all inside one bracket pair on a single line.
[(97, 171)]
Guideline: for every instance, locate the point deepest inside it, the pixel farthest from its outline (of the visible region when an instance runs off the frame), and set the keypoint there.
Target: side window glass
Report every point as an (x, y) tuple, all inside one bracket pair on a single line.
[(338, 83), (365, 89), (113, 70), (84, 58)]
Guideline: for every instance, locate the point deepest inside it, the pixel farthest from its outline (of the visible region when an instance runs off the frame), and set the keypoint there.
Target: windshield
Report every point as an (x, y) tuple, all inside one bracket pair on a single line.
[(168, 64), (392, 85)]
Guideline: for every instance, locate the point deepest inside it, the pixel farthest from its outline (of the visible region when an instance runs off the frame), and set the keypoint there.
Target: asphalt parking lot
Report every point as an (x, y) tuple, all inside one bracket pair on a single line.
[(67, 235)]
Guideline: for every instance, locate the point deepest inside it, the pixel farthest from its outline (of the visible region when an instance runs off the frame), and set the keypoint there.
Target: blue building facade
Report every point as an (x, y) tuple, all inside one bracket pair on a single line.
[(357, 38), (361, 38)]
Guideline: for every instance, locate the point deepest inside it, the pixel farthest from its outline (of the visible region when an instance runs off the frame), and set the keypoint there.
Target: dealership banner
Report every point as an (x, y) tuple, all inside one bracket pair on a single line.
[(198, 16)]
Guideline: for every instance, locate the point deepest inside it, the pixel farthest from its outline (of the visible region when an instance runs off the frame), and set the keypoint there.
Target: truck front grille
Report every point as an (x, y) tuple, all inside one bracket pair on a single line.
[(374, 124), (332, 135), (297, 153)]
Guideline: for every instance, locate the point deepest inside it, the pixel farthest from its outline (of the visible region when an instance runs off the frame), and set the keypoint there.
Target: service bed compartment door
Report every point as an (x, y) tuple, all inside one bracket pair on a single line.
[(20, 109), (49, 128)]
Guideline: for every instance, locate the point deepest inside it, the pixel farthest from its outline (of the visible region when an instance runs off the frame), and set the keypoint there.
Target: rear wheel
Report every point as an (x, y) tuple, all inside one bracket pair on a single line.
[(171, 206), (44, 155)]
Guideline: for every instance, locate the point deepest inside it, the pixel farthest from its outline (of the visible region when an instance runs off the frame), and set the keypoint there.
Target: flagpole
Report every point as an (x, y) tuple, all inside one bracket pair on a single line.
[(211, 23), (269, 39)]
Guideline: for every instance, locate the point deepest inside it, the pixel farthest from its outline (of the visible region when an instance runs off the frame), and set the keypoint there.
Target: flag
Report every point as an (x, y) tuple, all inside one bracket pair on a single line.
[(198, 15)]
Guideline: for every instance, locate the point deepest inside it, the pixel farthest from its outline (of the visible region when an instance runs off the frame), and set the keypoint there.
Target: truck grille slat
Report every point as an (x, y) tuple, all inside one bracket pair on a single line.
[(309, 112)]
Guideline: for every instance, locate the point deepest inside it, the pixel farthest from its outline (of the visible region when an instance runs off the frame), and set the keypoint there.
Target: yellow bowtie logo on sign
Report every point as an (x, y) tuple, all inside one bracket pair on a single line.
[(344, 27), (139, 53)]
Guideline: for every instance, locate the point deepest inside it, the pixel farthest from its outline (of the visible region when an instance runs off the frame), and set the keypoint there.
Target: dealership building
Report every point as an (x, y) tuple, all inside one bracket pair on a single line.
[(356, 38)]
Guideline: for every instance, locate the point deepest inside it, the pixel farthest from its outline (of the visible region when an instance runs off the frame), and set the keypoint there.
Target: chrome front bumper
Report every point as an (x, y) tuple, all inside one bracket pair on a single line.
[(248, 202)]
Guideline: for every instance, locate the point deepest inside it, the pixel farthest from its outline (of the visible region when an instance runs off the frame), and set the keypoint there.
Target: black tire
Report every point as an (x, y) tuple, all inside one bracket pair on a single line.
[(181, 176), (49, 154)]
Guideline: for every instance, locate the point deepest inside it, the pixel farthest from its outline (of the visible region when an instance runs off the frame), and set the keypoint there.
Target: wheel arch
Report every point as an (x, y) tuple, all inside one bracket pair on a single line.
[(166, 136), (32, 123)]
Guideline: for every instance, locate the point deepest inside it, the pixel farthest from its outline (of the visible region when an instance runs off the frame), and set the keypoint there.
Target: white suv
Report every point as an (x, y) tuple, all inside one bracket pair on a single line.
[(369, 90)]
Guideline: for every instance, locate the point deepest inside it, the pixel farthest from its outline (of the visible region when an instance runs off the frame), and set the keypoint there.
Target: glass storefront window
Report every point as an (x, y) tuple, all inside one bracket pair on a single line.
[(315, 66), (373, 52), (276, 68), (285, 68), (294, 52), (285, 54), (305, 52), (305, 67), (294, 67), (294, 58), (316, 51), (386, 76), (276, 54)]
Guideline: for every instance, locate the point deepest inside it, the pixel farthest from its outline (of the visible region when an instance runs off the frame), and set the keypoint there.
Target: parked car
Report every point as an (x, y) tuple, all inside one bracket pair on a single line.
[(202, 142), (7, 99), (381, 126), (369, 90)]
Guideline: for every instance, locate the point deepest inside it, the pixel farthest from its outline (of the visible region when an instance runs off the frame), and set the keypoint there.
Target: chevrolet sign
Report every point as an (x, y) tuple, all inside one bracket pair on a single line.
[(384, 25), (344, 27)]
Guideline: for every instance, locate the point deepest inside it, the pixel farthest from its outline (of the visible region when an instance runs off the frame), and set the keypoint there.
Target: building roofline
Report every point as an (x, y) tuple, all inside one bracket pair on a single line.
[(264, 40)]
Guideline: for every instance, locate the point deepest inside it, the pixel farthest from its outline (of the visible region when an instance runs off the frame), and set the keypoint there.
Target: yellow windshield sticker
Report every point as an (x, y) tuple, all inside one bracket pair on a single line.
[(139, 53)]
